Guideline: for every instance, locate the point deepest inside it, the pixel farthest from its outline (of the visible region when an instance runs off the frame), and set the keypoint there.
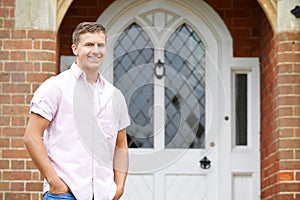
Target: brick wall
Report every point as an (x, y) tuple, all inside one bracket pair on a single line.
[(239, 16), (280, 114), (80, 10), (27, 57), (242, 19)]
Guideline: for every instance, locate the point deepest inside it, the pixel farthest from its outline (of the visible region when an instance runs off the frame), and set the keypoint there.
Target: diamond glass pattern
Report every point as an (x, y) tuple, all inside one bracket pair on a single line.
[(185, 90), (133, 75)]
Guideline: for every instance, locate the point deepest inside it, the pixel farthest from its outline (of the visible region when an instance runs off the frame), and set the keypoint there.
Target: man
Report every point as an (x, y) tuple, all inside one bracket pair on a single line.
[(82, 119)]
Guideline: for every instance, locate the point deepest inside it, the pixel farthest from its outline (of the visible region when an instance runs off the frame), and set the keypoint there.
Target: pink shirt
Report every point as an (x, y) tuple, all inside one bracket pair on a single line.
[(80, 140)]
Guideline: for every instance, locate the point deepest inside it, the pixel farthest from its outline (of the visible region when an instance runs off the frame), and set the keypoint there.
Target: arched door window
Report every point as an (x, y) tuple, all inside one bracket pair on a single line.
[(185, 105), (133, 75)]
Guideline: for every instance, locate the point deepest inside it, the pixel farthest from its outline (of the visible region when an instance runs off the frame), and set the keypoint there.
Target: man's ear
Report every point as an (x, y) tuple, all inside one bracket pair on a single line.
[(74, 49)]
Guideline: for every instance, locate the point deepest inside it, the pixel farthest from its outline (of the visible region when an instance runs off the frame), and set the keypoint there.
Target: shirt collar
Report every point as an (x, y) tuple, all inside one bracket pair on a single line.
[(78, 73)]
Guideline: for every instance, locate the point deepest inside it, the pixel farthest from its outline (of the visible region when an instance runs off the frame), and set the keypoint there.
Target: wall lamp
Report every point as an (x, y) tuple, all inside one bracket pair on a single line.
[(296, 11)]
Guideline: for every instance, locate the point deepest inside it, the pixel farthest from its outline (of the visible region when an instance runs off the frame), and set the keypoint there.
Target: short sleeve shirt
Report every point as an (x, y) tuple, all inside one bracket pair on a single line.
[(84, 123)]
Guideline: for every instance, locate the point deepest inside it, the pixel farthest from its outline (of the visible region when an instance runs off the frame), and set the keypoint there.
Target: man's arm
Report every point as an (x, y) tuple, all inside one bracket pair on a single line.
[(35, 146), (120, 163)]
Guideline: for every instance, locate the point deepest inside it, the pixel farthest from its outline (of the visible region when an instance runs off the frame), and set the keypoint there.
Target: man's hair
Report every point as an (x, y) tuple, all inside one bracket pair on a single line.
[(86, 27)]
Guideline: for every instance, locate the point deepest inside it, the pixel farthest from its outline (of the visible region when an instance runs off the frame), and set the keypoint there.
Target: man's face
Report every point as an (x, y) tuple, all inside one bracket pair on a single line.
[(90, 51)]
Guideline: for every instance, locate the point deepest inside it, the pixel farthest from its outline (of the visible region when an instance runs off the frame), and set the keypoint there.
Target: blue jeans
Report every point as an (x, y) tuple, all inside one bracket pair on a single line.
[(66, 196)]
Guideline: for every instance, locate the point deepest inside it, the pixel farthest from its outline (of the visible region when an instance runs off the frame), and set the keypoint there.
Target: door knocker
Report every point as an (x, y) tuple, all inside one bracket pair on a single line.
[(159, 69)]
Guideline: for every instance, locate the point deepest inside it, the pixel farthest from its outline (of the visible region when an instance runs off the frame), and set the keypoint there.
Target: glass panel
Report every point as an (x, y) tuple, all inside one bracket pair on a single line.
[(241, 109), (185, 90), (133, 75)]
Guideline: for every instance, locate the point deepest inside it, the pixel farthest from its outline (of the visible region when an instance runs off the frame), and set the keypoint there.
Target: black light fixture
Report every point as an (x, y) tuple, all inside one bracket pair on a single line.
[(296, 11)]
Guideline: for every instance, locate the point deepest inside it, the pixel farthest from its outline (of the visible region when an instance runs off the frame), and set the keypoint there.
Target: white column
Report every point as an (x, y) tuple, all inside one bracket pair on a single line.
[(286, 21), (35, 14)]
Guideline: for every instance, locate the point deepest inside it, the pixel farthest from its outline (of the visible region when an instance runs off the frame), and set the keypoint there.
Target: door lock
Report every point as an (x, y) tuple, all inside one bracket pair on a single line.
[(205, 163)]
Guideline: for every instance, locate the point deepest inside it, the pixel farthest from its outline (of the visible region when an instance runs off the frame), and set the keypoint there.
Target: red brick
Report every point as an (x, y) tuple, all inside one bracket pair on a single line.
[(17, 143), (298, 175), (14, 195), (17, 186), (4, 34), (16, 153), (225, 4), (18, 121), (284, 196), (289, 122), (30, 164), (4, 185), (18, 99), (18, 66), (285, 89), (37, 77), (4, 142), (17, 44), (4, 121), (237, 32), (238, 13), (289, 143), (9, 3), (286, 132), (17, 164), (34, 186), (18, 34), (4, 55), (39, 34), (41, 56), (48, 45), (16, 175), (289, 165), (289, 187), (50, 67), (4, 12), (37, 45), (16, 88), (15, 110), (17, 55), (285, 111), (4, 164), (17, 77), (288, 100), (292, 36), (286, 176), (290, 46), (288, 57), (36, 175), (4, 77), (13, 131), (285, 68)]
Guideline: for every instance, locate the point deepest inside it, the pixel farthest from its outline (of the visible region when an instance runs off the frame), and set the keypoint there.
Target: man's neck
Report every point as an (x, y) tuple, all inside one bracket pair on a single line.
[(92, 77)]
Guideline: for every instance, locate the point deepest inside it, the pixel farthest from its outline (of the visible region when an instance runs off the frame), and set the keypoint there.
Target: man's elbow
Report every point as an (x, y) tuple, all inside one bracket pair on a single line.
[(28, 138)]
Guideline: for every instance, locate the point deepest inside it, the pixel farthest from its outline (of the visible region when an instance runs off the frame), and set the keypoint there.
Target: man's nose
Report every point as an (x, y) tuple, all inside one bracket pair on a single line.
[(96, 48)]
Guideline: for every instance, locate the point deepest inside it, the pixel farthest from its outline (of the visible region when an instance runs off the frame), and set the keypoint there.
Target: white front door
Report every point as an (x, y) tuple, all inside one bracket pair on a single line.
[(182, 86), (166, 85)]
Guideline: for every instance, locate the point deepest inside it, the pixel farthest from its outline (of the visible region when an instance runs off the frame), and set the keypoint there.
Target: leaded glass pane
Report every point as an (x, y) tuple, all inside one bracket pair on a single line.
[(133, 75), (185, 90)]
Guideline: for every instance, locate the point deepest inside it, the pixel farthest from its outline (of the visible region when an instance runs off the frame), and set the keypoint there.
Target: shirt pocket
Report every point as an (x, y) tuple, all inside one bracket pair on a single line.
[(107, 122)]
